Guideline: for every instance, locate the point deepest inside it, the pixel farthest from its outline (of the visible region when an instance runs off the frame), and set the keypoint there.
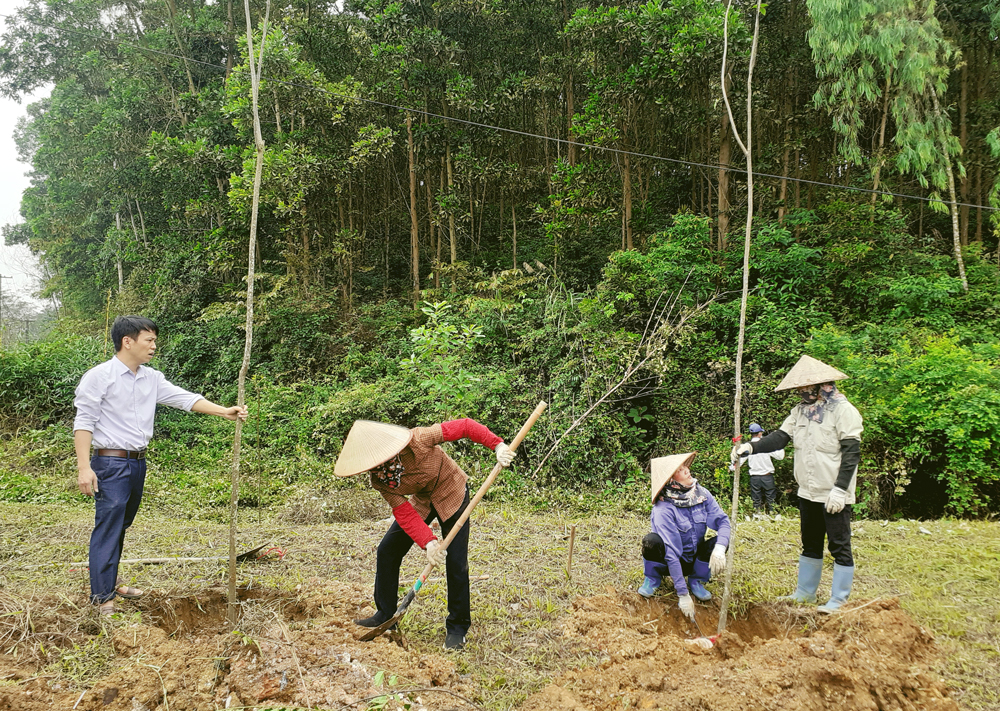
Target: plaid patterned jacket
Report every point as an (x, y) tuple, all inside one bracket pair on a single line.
[(432, 478)]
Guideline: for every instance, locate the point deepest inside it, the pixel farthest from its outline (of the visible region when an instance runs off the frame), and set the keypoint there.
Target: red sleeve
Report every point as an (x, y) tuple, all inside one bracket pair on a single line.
[(409, 520), (480, 434)]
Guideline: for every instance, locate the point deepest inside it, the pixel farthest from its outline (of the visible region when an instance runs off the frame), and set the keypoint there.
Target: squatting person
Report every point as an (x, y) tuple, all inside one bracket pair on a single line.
[(410, 463), (683, 510), (825, 430), (115, 406)]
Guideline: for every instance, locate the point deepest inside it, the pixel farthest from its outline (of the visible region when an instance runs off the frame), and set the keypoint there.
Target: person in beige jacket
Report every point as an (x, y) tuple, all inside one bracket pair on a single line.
[(825, 429)]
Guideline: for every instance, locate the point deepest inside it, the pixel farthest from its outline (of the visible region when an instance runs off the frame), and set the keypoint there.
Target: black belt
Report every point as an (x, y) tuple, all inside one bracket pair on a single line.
[(120, 453)]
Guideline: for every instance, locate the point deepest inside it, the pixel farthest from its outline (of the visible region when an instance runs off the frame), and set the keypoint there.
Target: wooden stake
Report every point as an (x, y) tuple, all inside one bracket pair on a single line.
[(569, 562)]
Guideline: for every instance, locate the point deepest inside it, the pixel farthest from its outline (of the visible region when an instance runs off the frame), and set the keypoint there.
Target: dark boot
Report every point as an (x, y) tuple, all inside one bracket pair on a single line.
[(696, 582), (374, 621)]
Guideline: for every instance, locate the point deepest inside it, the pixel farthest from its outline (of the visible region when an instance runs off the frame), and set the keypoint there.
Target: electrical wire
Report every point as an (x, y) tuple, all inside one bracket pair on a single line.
[(517, 132)]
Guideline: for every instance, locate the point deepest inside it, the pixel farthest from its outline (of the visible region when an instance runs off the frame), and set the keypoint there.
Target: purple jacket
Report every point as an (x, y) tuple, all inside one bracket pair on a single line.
[(682, 529)]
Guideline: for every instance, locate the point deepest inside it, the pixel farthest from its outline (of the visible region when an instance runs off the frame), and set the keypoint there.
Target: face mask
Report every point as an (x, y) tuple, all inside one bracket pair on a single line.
[(809, 396), (677, 487)]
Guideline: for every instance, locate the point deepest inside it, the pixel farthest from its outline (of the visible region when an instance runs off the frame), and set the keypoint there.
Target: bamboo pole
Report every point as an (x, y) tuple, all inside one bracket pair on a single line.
[(248, 343)]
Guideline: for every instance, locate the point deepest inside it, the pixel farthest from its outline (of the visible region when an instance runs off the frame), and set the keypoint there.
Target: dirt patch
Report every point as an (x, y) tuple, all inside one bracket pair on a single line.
[(289, 651), (300, 649), (872, 657)]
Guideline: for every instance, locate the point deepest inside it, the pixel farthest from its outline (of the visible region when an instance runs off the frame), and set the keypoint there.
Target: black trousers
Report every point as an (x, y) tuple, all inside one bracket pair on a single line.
[(816, 524), (396, 543), (654, 551), (763, 492)]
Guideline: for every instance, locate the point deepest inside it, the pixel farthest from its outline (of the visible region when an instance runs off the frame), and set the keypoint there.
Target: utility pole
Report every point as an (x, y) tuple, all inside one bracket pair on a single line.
[(2, 277)]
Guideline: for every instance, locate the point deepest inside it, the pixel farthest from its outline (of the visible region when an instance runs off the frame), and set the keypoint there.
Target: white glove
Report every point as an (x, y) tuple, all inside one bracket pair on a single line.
[(740, 450), (686, 603), (505, 455), (836, 500), (435, 553), (717, 563)]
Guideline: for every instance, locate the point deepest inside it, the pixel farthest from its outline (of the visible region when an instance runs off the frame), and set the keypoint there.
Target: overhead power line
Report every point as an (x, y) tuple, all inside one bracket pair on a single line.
[(517, 132)]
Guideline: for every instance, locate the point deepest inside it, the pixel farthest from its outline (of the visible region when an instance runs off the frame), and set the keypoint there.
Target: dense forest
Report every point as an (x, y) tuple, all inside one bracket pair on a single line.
[(470, 206)]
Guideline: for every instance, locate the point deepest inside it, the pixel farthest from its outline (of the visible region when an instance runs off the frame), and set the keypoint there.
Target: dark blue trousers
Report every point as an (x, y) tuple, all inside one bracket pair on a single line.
[(395, 545), (119, 491)]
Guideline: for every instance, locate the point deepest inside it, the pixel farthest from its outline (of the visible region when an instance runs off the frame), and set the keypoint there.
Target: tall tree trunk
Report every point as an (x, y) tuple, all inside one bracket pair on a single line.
[(172, 12), (414, 230), (725, 151), (453, 242), (963, 140), (571, 149), (513, 218), (879, 158), (433, 231), (627, 189), (118, 256), (956, 233), (783, 185), (747, 149), (230, 38)]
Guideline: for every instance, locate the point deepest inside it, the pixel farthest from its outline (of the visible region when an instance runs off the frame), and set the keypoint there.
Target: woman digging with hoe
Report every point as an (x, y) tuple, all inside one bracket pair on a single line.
[(683, 510), (410, 463)]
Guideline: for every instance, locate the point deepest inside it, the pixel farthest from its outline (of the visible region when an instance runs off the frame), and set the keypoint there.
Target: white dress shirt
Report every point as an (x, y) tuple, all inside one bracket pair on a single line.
[(761, 464), (118, 405)]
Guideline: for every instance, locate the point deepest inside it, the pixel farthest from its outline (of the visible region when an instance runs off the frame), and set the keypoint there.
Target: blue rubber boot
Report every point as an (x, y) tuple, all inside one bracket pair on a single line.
[(696, 583), (843, 579), (810, 570), (648, 587)]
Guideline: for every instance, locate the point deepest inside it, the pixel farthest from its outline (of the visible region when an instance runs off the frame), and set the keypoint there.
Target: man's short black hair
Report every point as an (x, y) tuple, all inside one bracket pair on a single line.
[(130, 326)]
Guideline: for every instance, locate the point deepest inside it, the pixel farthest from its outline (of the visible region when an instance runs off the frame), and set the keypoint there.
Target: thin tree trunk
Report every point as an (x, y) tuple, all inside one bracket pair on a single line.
[(172, 12), (880, 160), (233, 607), (513, 218), (432, 231), (628, 202), (414, 229), (118, 258), (725, 150), (451, 214), (230, 38), (956, 232), (747, 149), (963, 140)]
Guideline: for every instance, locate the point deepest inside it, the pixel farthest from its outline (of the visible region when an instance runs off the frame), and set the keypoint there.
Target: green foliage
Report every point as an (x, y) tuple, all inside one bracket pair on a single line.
[(442, 351), (38, 380), (930, 405)]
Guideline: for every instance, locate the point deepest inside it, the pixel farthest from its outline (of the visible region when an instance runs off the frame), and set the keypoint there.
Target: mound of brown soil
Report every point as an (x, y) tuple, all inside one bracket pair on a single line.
[(872, 656)]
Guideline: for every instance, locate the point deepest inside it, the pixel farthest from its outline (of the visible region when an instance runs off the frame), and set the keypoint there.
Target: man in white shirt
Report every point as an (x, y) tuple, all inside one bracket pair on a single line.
[(763, 492), (115, 406)]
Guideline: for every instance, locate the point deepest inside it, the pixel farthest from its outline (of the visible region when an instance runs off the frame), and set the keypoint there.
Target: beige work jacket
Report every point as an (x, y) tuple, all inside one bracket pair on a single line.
[(817, 448)]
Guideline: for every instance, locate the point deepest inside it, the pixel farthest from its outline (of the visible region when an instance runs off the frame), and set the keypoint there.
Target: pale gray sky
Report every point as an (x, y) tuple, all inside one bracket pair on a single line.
[(16, 262)]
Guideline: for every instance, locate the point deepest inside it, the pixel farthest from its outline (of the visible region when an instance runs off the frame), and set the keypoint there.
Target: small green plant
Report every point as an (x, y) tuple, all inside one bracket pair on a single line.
[(86, 661), (440, 358)]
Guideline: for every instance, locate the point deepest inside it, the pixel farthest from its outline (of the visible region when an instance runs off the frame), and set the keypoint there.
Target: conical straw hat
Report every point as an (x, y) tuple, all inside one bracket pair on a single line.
[(809, 371), (662, 468), (369, 444)]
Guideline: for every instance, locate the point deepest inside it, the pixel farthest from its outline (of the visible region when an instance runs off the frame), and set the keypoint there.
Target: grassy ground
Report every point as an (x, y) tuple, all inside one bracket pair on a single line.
[(946, 574)]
